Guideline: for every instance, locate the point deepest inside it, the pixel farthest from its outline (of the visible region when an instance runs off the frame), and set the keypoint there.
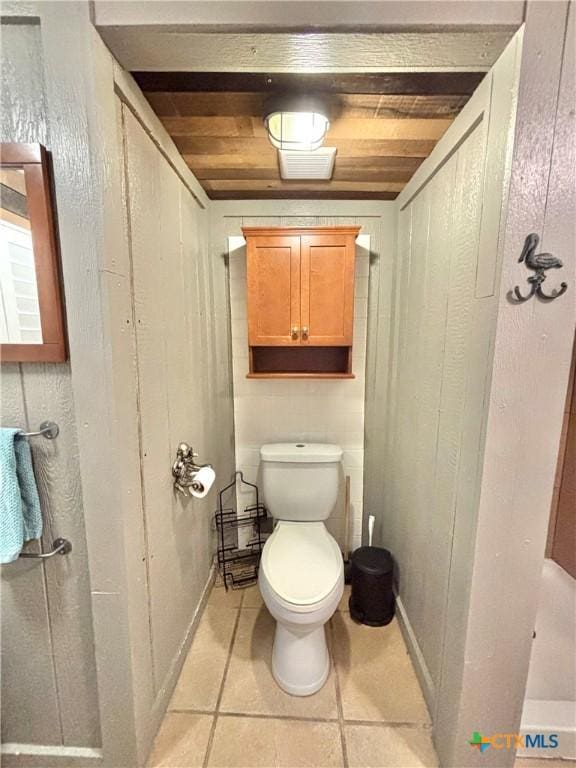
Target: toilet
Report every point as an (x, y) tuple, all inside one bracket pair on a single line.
[(301, 574)]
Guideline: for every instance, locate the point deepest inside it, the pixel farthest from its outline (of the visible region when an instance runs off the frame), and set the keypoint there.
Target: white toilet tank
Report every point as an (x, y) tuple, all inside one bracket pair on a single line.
[(300, 480)]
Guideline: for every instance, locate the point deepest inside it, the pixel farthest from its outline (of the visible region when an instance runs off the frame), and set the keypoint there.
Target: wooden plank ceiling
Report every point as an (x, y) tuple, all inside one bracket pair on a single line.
[(382, 125)]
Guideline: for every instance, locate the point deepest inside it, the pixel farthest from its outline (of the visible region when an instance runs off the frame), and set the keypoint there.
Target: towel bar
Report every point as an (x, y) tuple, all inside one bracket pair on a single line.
[(49, 429), (59, 547)]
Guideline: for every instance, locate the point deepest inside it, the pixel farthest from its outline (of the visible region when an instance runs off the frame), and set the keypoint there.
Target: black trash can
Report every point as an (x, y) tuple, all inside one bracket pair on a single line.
[(371, 598)]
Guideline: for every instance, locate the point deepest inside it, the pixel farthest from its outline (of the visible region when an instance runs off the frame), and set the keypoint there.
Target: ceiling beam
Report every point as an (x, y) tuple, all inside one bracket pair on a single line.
[(306, 194), (306, 14), (249, 104), (148, 49), (404, 83)]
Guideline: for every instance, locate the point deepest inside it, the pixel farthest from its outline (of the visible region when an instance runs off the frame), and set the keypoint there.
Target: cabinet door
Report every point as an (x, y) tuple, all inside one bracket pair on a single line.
[(273, 290), (327, 289)]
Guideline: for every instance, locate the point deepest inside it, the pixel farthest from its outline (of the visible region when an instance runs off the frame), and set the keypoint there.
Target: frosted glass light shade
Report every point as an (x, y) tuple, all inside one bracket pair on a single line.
[(303, 131)]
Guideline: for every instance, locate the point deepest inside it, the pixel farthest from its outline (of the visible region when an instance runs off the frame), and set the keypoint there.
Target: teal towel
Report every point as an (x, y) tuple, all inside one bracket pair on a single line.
[(20, 513)]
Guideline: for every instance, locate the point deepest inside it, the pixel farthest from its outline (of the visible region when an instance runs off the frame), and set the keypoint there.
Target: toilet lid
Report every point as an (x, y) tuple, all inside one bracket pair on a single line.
[(302, 562)]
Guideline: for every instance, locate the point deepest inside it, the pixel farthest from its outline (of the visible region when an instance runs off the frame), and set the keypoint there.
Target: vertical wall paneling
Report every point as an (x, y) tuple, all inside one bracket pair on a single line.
[(436, 527), (436, 365), (49, 689), (25, 621), (431, 319), (557, 225), (152, 241), (67, 584), (78, 73), (119, 282), (174, 294), (519, 461), (148, 318), (26, 636), (181, 338)]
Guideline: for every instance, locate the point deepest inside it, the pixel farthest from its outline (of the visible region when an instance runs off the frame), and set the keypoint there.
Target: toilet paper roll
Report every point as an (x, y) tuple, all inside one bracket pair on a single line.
[(203, 481)]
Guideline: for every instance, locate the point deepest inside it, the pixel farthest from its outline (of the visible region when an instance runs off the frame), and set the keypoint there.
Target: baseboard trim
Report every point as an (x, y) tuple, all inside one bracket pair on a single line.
[(422, 672), (36, 755)]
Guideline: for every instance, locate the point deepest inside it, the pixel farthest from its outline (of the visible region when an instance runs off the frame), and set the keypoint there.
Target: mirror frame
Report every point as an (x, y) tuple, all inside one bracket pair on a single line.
[(33, 159)]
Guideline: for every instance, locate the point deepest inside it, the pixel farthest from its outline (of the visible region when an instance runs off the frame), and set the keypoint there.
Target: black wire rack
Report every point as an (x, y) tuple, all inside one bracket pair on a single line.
[(239, 566)]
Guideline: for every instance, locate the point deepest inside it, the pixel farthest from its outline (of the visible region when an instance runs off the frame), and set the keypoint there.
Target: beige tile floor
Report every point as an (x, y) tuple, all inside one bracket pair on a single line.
[(228, 711)]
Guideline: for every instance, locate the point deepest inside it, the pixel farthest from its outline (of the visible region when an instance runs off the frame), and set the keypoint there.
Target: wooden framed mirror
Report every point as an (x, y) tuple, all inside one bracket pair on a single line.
[(31, 309)]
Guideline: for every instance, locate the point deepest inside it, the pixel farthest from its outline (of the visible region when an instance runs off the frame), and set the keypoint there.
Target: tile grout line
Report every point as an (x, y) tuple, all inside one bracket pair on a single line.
[(391, 724), (221, 690), (338, 697), (300, 719), (258, 716)]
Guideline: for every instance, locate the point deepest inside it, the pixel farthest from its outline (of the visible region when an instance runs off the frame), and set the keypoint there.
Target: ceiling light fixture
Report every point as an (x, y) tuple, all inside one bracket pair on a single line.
[(296, 122)]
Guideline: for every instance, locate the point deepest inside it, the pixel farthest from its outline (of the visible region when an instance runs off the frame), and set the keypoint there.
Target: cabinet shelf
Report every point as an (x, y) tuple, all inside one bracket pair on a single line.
[(300, 362), (300, 376)]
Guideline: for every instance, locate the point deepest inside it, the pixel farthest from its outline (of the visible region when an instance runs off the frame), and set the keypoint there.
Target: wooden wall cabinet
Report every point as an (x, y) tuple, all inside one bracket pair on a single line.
[(300, 301)]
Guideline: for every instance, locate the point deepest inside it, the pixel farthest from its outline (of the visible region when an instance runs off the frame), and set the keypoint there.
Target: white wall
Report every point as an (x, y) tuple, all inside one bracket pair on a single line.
[(327, 411), (293, 409)]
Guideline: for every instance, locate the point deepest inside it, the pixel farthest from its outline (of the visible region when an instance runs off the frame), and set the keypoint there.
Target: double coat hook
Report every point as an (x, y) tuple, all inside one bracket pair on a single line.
[(539, 263)]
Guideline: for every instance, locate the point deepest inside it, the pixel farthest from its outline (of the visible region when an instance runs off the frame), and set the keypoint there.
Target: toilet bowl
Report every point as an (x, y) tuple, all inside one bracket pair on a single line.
[(301, 574), (301, 579)]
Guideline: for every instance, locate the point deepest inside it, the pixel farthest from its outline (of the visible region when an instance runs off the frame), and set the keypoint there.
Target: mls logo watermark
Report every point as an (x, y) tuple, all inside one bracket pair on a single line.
[(513, 741)]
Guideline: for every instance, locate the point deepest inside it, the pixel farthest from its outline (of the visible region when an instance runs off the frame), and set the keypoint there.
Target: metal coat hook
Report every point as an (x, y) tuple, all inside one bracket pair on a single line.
[(539, 263)]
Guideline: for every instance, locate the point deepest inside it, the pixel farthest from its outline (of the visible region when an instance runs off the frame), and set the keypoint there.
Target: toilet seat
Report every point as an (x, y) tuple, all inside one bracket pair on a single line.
[(302, 565)]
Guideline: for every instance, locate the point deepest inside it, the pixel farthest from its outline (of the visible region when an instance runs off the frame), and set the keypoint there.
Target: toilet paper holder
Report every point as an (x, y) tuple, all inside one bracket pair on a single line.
[(185, 469)]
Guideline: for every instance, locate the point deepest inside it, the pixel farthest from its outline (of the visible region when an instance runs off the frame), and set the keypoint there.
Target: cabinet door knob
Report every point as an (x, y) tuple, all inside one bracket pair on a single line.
[(295, 332), (304, 331)]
